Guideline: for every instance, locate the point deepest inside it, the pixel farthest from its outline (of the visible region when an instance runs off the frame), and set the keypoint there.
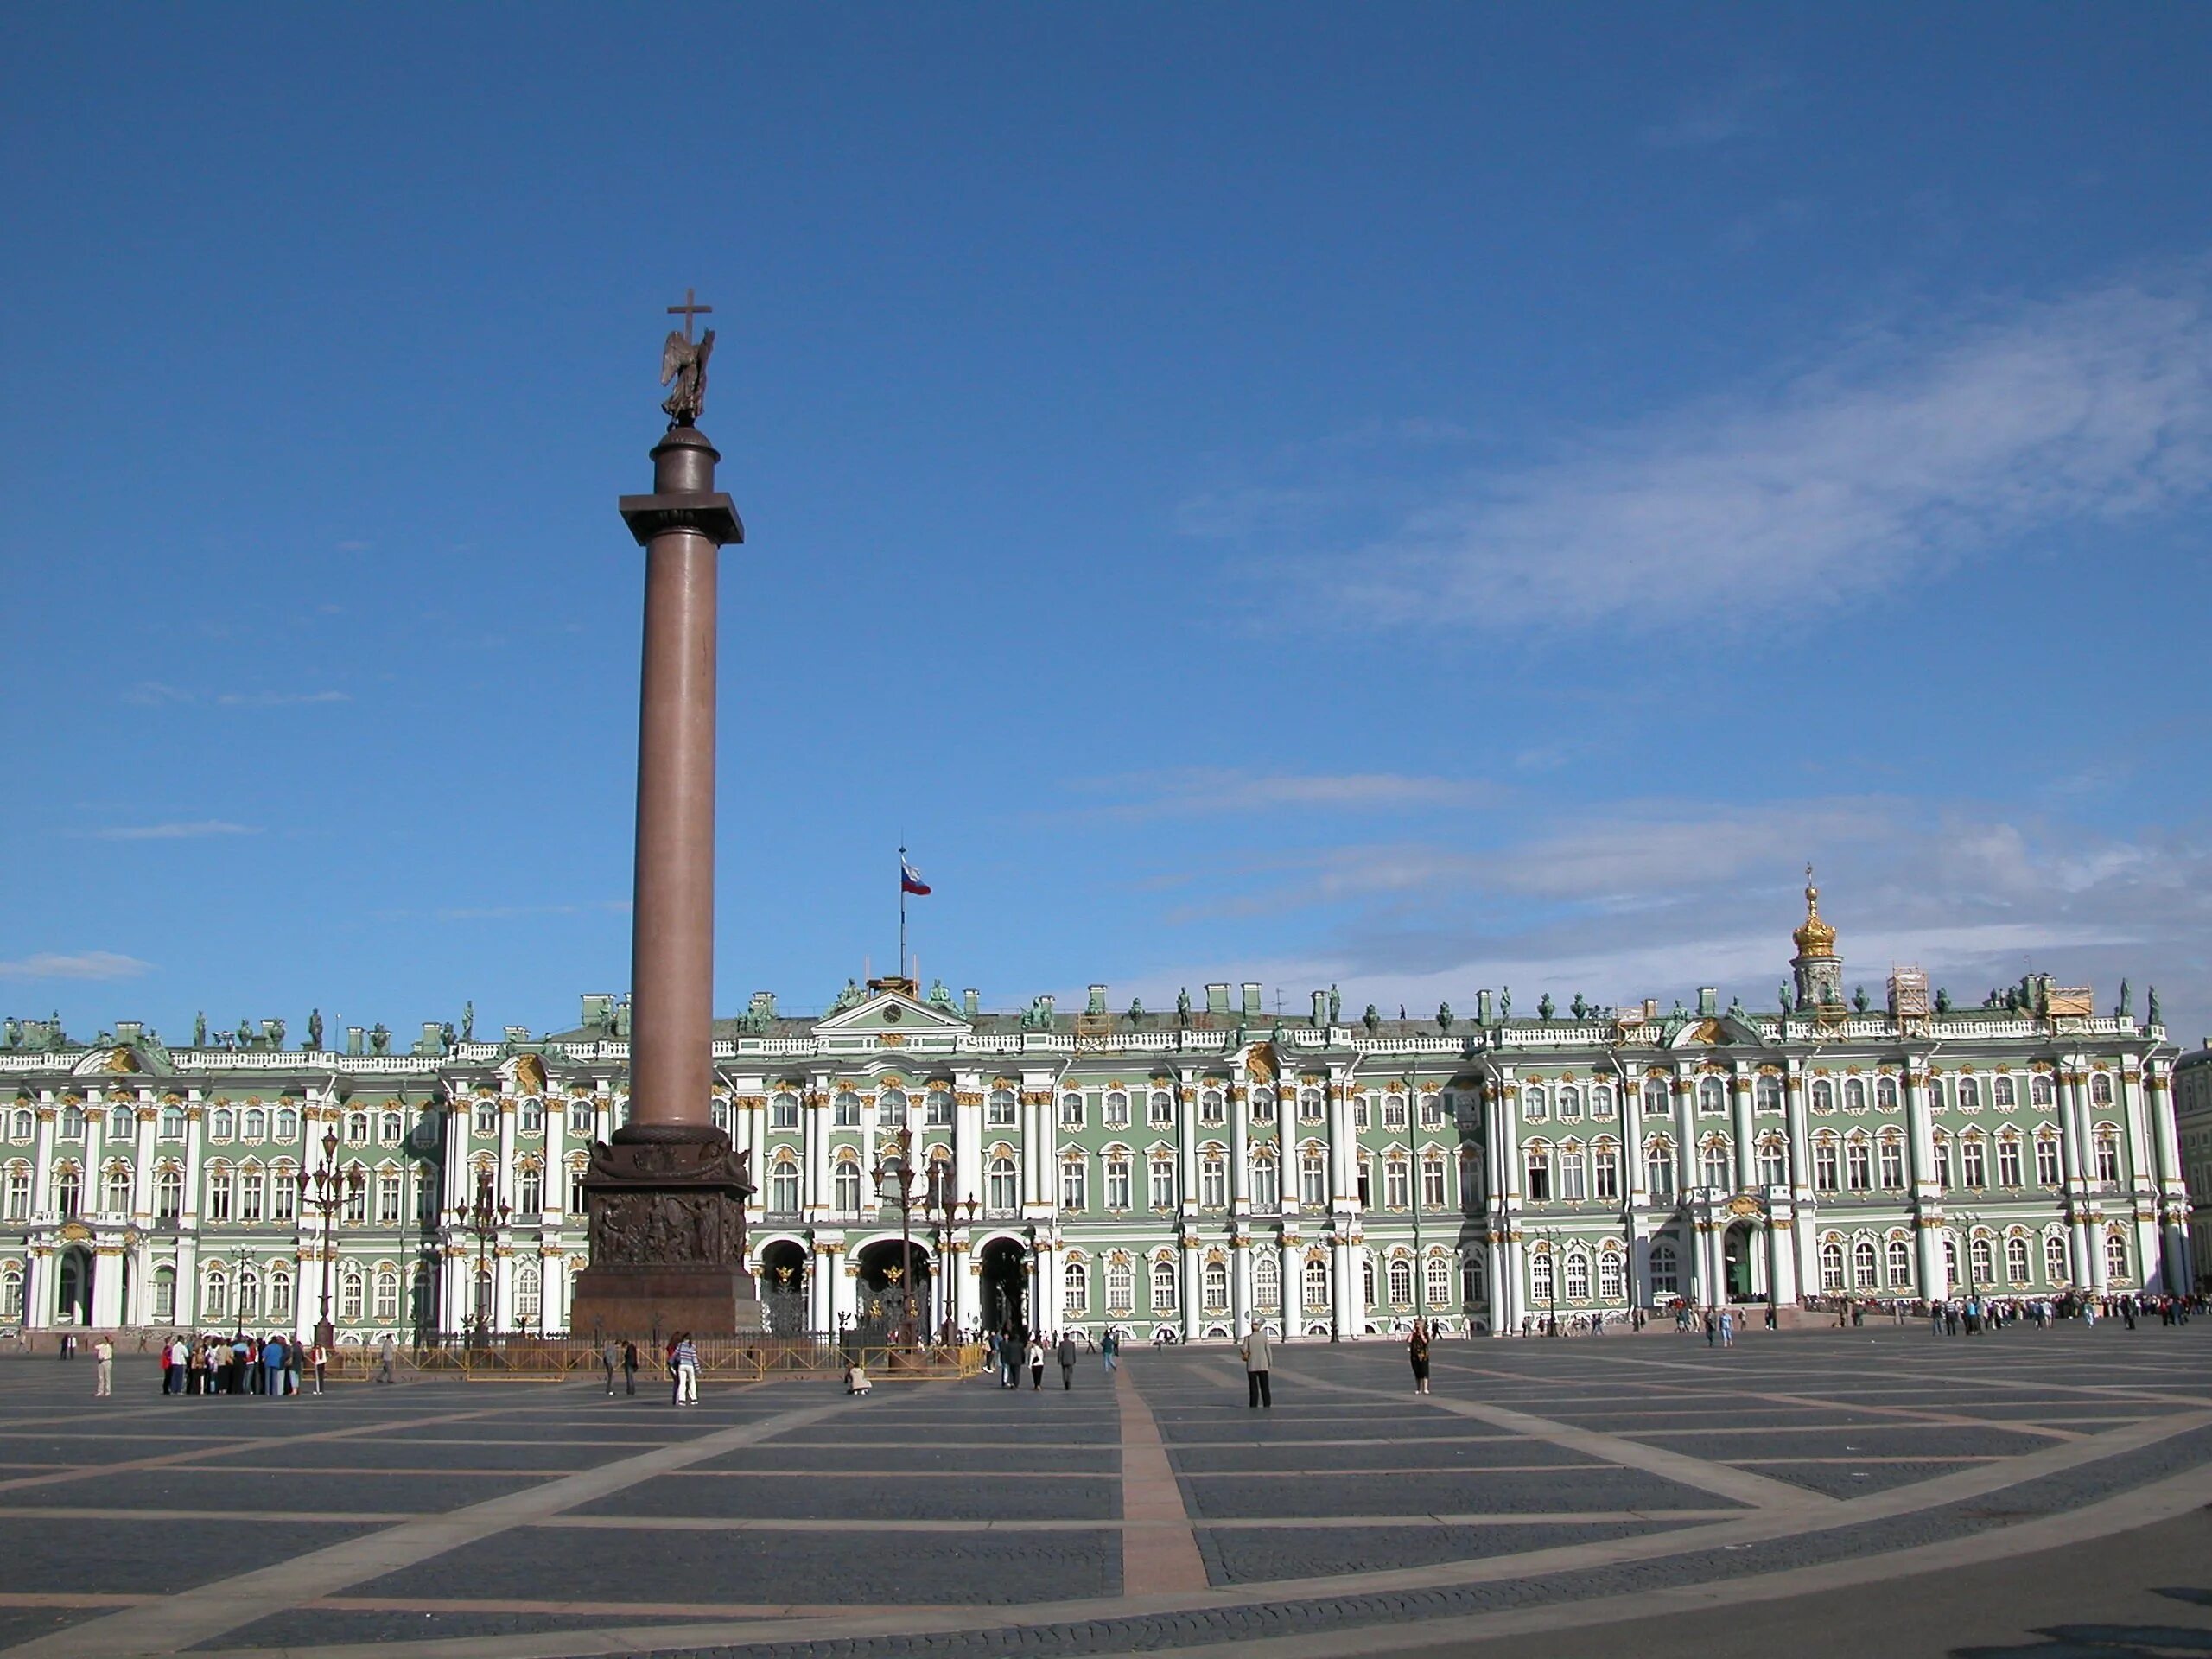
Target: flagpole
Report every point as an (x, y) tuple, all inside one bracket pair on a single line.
[(900, 970)]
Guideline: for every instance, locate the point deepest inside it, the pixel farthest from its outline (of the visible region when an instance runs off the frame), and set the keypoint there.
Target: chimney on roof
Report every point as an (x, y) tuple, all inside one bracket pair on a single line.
[(1251, 1000), (971, 1000), (1097, 1000), (1217, 999), (1708, 1000)]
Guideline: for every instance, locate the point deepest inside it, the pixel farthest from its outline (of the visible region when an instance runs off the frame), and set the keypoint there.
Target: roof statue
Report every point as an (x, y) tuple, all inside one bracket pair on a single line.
[(683, 360)]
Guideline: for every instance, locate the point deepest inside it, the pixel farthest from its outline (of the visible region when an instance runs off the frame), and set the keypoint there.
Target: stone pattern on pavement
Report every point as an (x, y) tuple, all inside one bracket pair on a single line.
[(1542, 1480)]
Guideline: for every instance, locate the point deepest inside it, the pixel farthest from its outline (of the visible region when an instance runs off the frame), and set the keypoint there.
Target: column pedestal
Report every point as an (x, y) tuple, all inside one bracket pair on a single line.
[(667, 1208)]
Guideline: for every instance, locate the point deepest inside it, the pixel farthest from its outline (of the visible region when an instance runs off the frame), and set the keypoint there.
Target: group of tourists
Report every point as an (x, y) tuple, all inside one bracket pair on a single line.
[(680, 1358), (274, 1367), (1008, 1353), (1971, 1315)]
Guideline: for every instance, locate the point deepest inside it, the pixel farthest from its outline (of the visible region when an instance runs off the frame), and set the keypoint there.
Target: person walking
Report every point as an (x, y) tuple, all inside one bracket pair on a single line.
[(687, 1370), (629, 1368), (103, 1367), (1109, 1350), (320, 1358), (273, 1368), (1066, 1357), (1034, 1358), (175, 1362), (387, 1353), (1417, 1353), (611, 1357), (1009, 1361), (1727, 1327), (1259, 1360)]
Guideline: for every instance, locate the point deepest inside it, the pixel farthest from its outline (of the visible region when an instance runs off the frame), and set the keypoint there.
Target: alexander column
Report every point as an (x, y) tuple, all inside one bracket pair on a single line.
[(667, 1193)]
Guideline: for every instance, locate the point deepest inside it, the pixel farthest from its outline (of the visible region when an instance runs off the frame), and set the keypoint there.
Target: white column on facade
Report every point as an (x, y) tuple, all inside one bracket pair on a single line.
[(1344, 1287), (1688, 1173), (141, 1170), (1240, 1313), (821, 1300), (2177, 1270), (1292, 1263), (815, 1110), (1804, 1212), (42, 1151), (1739, 1095), (1051, 1292), (1927, 1197), (2074, 1151)]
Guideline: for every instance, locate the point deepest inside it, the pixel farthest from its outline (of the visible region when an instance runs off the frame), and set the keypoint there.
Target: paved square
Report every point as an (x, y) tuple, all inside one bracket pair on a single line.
[(1545, 1487)]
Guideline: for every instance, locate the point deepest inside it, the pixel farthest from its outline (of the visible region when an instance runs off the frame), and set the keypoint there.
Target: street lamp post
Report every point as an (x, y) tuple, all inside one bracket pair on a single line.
[(894, 1179), (326, 1190), (1412, 1190), (937, 1204), (239, 1298), (482, 1221)]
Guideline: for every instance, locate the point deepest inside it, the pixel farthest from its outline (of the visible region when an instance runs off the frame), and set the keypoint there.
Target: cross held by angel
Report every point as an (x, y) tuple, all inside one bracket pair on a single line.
[(683, 360)]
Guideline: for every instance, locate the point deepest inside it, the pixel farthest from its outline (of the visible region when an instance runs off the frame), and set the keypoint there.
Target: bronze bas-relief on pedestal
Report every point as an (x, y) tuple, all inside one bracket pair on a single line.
[(667, 1238)]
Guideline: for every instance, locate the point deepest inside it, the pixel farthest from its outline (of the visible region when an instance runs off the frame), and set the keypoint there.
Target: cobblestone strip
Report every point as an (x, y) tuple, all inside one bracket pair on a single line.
[(200, 1615), (1159, 1553), (1723, 1481)]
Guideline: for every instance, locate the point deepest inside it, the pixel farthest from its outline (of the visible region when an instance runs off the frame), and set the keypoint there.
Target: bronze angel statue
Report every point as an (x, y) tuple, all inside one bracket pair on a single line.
[(684, 361)]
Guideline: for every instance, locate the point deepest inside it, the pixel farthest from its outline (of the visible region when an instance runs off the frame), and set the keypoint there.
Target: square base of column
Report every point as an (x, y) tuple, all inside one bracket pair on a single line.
[(639, 1303)]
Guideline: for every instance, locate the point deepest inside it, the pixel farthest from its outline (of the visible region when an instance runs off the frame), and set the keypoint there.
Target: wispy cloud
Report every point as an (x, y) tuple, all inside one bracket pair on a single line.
[(191, 831), (76, 965), (153, 693), (1733, 111), (278, 699), (1195, 790), (1896, 454), (516, 912)]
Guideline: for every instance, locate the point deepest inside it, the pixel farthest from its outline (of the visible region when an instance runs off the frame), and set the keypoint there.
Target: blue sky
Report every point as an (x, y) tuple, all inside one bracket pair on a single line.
[(1418, 498)]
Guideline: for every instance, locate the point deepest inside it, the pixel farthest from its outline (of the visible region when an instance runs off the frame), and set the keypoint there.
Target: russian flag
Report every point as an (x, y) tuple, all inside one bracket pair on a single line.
[(910, 879)]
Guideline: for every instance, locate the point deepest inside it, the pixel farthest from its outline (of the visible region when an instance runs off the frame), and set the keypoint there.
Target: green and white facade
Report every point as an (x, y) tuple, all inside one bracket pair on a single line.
[(1196, 1171)]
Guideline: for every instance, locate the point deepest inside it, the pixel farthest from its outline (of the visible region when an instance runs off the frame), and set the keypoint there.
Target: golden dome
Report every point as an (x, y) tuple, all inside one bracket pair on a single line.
[(1815, 937)]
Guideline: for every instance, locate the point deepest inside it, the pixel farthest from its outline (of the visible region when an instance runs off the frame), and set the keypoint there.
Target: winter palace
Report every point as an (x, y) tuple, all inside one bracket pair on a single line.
[(1195, 1170)]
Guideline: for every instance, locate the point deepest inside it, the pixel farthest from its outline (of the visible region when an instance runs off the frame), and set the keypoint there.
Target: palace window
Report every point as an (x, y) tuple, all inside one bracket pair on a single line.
[(1823, 1095), (1974, 1164), (1885, 1092), (719, 1111), (1539, 1165), (357, 1196), (1432, 1192), (2016, 1260), (219, 1193), (2101, 1088), (1832, 1266), (349, 1293), (1542, 1287), (2107, 1155), (1774, 1162), (172, 1124), (1212, 1106), (1120, 1287), (1767, 1095), (1534, 1106), (119, 1190), (1394, 1113), (1892, 1162), (2116, 1256), (1573, 1174), (581, 1115), (1071, 1110), (998, 1110), (529, 1194), (1432, 1111), (2047, 1159), (1713, 1098), (1313, 1178), (1570, 1104), (782, 1189), (1397, 1185), (1969, 1093), (1612, 1281), (2001, 1094), (1163, 1286), (579, 1205), (1666, 1270), (1160, 1170), (253, 1192), (1659, 1168), (2040, 1090), (1437, 1281), (1315, 1276), (1159, 1109), (1858, 1165), (1402, 1282), (1854, 1095), (123, 1124), (533, 1119), (215, 1295), (1263, 1105), (1117, 1182), (1213, 1281), (1267, 1281), (1075, 1183), (222, 1124), (165, 1296), (1309, 1105), (1075, 1292), (1900, 1254), (1001, 1187), (19, 1192), (1824, 1167), (847, 1110), (1601, 1099), (1942, 1149), (891, 1110), (2054, 1259), (484, 1122), (1267, 1184), (1213, 1180), (2008, 1161), (936, 1109), (1578, 1276), (1980, 1261), (1117, 1109), (168, 1194), (845, 1187), (1716, 1164)]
